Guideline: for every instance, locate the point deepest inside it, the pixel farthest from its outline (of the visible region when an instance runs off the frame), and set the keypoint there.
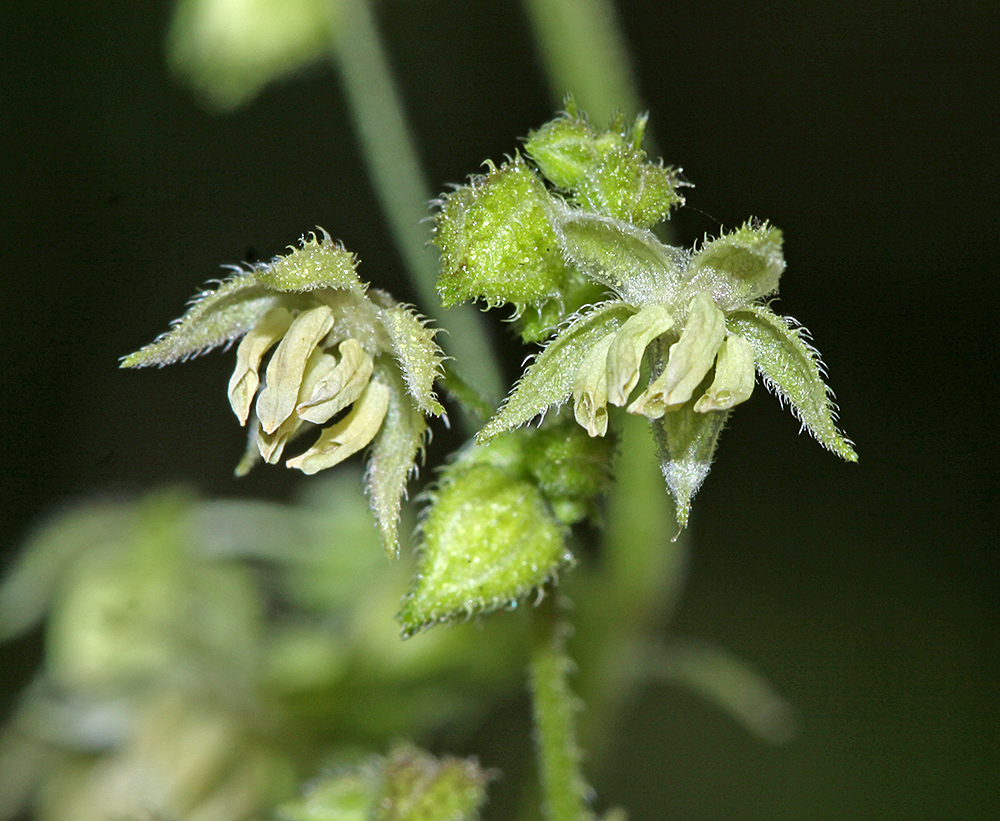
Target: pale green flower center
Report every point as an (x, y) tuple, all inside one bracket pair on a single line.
[(311, 377), (611, 368)]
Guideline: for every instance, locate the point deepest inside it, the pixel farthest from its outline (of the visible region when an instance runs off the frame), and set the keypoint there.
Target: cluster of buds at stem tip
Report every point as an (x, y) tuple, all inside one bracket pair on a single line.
[(340, 357)]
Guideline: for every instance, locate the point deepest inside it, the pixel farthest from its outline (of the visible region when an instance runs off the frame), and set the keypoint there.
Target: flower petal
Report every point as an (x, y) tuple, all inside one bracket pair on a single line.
[(625, 354), (337, 386), (590, 389), (280, 395), (734, 376), (349, 435), (245, 379), (689, 360)]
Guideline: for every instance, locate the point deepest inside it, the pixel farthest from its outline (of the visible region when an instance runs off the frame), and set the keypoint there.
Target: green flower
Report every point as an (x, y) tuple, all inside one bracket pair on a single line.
[(699, 320), (347, 360), (695, 323)]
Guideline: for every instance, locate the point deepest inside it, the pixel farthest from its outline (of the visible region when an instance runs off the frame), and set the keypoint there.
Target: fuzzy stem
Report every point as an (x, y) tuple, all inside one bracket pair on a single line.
[(564, 789), (585, 54), (403, 191)]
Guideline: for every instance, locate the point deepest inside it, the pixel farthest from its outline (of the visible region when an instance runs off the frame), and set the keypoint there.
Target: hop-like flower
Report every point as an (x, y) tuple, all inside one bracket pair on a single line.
[(343, 358), (698, 318)]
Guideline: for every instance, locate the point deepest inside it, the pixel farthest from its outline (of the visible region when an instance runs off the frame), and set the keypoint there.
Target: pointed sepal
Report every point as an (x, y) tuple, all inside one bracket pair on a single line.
[(417, 353), (628, 259), (393, 457), (317, 262), (549, 380), (792, 370), (686, 440), (740, 266), (214, 318)]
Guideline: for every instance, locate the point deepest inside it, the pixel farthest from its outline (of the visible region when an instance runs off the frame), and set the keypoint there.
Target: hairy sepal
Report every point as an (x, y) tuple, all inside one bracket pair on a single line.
[(628, 259), (497, 243), (741, 266), (414, 348), (549, 379), (686, 441), (489, 539), (317, 262), (214, 318), (792, 370), (392, 458)]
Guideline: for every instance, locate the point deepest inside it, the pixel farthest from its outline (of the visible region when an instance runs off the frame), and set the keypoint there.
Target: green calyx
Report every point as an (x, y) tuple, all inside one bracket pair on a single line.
[(691, 321), (495, 530), (407, 785), (320, 353), (605, 172), (496, 242)]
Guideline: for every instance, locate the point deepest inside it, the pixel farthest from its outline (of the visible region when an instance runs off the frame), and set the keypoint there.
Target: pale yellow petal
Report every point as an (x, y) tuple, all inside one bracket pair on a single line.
[(272, 445), (280, 394), (625, 352), (350, 434), (689, 360), (590, 390), (338, 386), (734, 376), (258, 341)]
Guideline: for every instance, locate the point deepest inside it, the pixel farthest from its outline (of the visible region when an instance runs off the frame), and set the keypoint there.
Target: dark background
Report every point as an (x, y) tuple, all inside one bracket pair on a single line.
[(864, 130)]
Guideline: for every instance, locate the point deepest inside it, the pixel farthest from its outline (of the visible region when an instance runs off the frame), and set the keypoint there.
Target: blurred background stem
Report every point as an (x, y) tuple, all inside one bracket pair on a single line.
[(585, 54), (404, 193)]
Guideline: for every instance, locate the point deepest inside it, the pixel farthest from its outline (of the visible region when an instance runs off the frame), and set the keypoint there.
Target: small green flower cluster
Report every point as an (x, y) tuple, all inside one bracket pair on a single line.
[(346, 359), (577, 214), (563, 235)]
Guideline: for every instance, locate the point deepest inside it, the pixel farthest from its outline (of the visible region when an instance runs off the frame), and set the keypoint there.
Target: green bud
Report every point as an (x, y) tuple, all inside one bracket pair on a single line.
[(228, 50), (496, 242), (565, 150), (409, 785), (626, 187), (570, 468), (606, 171), (489, 540)]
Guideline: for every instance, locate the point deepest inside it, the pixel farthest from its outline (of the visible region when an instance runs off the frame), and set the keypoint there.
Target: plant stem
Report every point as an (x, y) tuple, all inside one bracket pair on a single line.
[(564, 789), (585, 54), (403, 191)]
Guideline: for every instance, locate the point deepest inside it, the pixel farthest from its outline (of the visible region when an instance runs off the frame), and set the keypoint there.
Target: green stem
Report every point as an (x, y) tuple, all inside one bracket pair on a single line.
[(585, 54), (403, 191), (563, 787)]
